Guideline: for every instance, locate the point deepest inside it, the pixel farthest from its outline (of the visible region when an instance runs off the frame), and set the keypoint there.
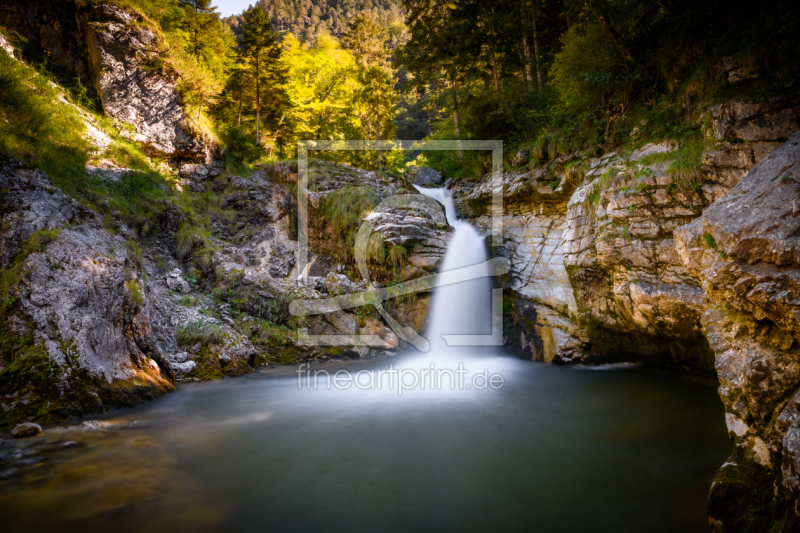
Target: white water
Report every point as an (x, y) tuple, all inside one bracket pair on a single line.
[(460, 308)]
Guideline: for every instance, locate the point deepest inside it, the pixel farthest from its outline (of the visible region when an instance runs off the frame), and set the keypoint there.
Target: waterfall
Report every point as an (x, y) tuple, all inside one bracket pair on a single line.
[(461, 308)]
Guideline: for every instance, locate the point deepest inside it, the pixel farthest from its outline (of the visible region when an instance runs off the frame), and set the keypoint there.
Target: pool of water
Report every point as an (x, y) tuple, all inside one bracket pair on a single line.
[(555, 449)]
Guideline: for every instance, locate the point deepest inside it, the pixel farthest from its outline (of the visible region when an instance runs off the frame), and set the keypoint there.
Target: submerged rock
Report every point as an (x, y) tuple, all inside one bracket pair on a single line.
[(28, 429)]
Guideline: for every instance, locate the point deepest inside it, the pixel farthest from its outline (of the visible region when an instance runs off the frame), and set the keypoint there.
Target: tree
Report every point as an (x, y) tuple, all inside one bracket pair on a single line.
[(262, 54), (201, 17), (378, 98), (365, 40)]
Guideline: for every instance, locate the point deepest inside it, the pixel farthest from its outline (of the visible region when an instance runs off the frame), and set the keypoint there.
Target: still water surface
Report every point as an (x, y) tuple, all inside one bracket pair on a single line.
[(556, 449)]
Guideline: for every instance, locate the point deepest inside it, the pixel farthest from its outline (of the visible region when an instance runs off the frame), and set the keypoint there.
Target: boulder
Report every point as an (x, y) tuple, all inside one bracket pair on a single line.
[(520, 159), (28, 429), (422, 175), (184, 368), (175, 281), (652, 149)]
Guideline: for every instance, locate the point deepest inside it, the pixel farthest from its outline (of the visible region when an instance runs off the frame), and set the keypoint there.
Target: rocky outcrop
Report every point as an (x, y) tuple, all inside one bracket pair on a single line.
[(121, 59), (76, 329), (596, 275), (422, 176), (745, 252)]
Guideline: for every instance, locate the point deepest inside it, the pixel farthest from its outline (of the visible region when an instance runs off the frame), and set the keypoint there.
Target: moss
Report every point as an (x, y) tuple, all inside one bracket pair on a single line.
[(741, 495), (41, 391)]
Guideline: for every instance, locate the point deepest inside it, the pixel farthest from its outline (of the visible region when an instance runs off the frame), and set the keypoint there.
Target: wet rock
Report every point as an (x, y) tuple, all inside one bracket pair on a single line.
[(27, 429)]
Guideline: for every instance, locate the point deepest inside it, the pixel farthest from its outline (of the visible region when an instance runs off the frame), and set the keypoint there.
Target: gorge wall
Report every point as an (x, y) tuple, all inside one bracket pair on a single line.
[(622, 257)]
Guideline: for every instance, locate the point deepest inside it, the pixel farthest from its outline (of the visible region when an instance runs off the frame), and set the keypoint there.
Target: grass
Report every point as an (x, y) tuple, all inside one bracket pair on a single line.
[(709, 241), (397, 255), (194, 332), (343, 210)]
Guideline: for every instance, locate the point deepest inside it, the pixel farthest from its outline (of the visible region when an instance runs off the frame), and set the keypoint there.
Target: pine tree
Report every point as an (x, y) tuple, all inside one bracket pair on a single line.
[(379, 99), (261, 52), (365, 40)]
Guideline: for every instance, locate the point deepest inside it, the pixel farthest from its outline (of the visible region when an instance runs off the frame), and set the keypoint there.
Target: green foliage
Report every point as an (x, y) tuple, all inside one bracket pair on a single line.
[(200, 331), (38, 127), (397, 255), (584, 73), (195, 242), (344, 209), (137, 297), (307, 21), (709, 241)]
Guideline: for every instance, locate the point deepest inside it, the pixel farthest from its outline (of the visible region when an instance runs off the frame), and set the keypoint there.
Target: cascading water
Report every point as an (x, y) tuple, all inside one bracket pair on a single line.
[(461, 308)]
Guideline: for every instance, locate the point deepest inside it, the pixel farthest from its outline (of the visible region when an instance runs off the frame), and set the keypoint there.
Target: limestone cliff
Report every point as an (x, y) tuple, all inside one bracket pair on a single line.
[(76, 332), (745, 253), (119, 57), (596, 276)]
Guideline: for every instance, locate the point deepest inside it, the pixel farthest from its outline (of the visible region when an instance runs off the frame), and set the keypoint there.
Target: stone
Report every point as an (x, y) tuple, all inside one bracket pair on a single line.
[(653, 148), (281, 261), (175, 282), (27, 429), (184, 368), (422, 175), (6, 45), (336, 284), (744, 250), (520, 159)]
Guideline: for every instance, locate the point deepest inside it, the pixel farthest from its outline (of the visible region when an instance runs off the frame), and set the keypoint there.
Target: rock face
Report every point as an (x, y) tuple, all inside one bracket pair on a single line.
[(117, 55), (596, 275), (422, 176), (745, 252), (76, 307)]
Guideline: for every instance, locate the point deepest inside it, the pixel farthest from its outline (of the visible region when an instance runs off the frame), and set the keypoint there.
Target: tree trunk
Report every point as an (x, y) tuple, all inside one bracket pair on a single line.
[(601, 18), (526, 47), (536, 53), (457, 119), (239, 120), (380, 162), (569, 22), (494, 64), (258, 105)]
